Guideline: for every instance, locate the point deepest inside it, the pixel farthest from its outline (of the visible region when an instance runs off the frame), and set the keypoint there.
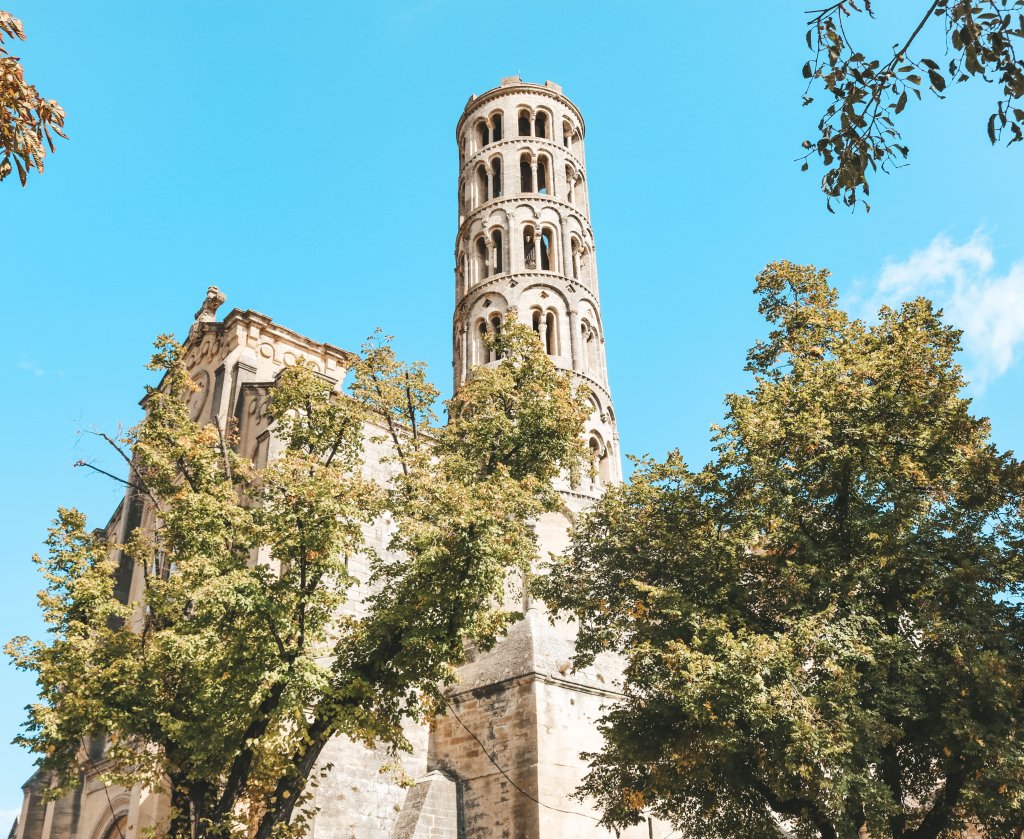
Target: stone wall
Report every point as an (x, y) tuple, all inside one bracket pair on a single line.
[(503, 717), (431, 810)]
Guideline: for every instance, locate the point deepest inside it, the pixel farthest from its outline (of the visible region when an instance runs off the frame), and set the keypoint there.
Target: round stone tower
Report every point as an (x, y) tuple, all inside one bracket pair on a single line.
[(525, 245), (520, 715)]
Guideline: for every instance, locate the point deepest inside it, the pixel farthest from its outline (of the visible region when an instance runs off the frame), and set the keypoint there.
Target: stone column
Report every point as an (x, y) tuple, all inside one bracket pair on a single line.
[(574, 340), (516, 254), (567, 255), (466, 361)]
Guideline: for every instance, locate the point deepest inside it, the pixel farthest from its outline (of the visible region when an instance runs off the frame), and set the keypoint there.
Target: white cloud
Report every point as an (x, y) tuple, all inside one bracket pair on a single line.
[(31, 367), (986, 305)]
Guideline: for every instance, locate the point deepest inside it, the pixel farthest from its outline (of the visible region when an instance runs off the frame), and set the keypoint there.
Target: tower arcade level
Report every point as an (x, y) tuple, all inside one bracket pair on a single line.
[(525, 244)]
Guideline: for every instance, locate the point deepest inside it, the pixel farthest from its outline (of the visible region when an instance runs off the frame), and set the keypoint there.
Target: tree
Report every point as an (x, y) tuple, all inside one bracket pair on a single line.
[(857, 132), (26, 119), (822, 627), (223, 685)]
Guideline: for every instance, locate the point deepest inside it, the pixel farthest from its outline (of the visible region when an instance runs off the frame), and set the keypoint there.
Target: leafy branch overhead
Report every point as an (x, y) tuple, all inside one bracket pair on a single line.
[(248, 643), (27, 120), (822, 628), (858, 134)]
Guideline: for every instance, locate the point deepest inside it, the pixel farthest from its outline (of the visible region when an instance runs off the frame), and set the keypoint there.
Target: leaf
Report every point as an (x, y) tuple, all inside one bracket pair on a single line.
[(901, 103), (807, 70), (937, 80)]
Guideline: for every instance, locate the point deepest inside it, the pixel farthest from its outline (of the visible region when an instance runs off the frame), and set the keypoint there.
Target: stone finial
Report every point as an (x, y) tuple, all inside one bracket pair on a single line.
[(214, 300)]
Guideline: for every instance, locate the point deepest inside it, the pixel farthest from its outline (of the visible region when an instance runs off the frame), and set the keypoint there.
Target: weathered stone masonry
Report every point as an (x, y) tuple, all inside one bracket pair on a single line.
[(504, 762)]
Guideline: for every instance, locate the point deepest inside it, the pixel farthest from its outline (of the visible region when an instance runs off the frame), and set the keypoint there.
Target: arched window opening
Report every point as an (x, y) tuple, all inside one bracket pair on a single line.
[(524, 123), (462, 270), (495, 128), (575, 258), (480, 345), (529, 247), (499, 252), (545, 249), (545, 326), (483, 133), (481, 259), (586, 346), (570, 178), (525, 174), (496, 178), (119, 829), (595, 453), (567, 135), (481, 184), (590, 349), (604, 466), (495, 331), (542, 175), (542, 124)]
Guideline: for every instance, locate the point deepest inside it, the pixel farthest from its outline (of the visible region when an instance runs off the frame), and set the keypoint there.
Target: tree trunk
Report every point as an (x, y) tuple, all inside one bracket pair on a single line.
[(289, 788), (179, 827)]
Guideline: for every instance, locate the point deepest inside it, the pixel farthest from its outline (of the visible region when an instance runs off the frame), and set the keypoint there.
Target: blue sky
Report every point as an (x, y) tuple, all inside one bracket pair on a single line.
[(301, 156)]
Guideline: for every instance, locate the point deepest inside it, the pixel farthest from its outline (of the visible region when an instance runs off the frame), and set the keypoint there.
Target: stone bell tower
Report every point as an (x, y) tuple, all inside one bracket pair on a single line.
[(525, 244), (520, 715)]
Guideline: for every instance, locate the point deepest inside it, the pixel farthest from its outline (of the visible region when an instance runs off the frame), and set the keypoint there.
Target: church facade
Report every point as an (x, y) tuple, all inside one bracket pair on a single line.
[(505, 759)]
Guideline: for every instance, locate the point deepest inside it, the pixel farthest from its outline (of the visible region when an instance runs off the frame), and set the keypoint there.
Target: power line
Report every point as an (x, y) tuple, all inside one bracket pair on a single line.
[(106, 789), (497, 766), (507, 778)]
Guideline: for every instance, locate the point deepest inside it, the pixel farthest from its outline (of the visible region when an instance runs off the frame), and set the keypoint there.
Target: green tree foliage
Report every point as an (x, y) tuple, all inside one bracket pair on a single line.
[(27, 121), (857, 133), (822, 628), (223, 685)]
